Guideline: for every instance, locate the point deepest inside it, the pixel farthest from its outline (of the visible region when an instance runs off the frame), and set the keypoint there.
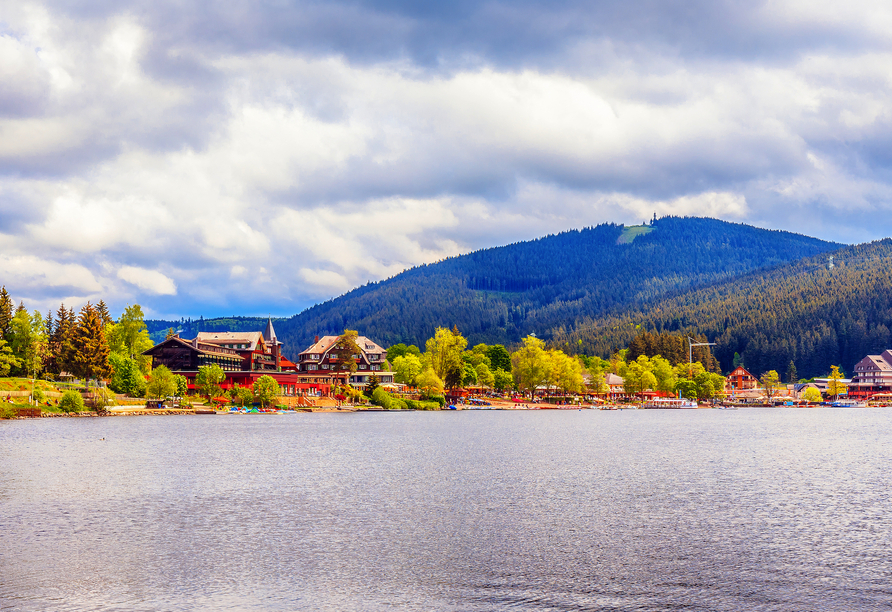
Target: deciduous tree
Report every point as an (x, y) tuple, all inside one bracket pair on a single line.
[(266, 389), (530, 365), (429, 382), (208, 381), (811, 395), (407, 368), (770, 381), (835, 386), (161, 383), (444, 352)]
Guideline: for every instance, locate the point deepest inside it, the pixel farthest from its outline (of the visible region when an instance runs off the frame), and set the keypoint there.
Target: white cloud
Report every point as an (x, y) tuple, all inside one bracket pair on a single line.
[(282, 177), (151, 281)]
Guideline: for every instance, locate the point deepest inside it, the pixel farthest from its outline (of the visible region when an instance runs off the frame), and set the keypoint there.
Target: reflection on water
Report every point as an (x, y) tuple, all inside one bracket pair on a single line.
[(783, 509)]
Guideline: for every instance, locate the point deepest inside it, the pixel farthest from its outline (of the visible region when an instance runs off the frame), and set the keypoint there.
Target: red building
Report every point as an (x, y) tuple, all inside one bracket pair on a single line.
[(243, 356), (741, 380)]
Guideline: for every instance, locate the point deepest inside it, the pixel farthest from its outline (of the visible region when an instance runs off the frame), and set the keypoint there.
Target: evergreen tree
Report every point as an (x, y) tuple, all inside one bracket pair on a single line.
[(6, 314), (792, 376), (90, 350)]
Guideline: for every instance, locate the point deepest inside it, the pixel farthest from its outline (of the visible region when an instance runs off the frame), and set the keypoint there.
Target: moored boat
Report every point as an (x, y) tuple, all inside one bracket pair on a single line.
[(670, 403)]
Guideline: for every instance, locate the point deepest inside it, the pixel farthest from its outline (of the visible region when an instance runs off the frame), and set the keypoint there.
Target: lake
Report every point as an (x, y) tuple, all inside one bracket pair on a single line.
[(754, 509)]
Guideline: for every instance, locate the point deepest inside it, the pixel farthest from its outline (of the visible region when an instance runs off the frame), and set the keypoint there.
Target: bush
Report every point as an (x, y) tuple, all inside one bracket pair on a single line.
[(71, 402), (380, 397), (438, 399), (38, 395)]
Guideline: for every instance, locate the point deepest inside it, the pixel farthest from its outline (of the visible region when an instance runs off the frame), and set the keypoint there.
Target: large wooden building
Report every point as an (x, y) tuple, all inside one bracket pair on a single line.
[(243, 356), (316, 364), (873, 375), (246, 356)]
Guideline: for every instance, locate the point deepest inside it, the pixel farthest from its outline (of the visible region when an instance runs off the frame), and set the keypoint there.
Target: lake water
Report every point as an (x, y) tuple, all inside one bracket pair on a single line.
[(757, 509)]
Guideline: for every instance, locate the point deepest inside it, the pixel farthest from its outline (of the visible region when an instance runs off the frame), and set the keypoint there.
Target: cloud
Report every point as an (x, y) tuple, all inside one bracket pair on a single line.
[(204, 157), (151, 281)]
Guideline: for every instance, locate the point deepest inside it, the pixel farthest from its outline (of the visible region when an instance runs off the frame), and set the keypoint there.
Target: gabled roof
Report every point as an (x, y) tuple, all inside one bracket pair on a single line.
[(322, 344), (880, 362), (612, 379), (249, 338), (202, 348), (743, 372), (326, 342)]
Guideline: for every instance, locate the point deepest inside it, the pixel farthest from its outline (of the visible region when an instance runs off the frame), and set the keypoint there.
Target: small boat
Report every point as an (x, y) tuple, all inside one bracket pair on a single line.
[(670, 403), (849, 403)]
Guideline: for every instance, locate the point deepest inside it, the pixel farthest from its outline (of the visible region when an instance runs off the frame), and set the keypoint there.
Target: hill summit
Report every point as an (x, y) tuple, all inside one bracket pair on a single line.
[(551, 285)]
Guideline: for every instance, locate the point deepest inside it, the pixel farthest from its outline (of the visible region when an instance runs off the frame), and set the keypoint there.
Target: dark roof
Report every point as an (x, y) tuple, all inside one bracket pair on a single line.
[(269, 334)]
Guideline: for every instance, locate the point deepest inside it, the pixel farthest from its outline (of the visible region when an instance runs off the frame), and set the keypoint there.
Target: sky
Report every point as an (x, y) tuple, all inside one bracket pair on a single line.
[(257, 157)]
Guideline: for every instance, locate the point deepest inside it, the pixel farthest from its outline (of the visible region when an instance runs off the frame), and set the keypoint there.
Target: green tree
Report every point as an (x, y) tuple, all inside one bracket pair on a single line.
[(811, 395), (129, 336), (28, 341), (71, 402), (498, 357), (531, 365), (8, 361), (502, 380), (664, 374), (444, 352), (485, 377), (835, 386), (770, 381), (372, 384), (161, 383), (126, 376), (266, 389), (469, 376), (241, 396), (429, 382), (90, 359), (401, 350), (792, 375), (208, 380), (6, 314), (182, 385), (596, 370), (407, 368), (567, 372)]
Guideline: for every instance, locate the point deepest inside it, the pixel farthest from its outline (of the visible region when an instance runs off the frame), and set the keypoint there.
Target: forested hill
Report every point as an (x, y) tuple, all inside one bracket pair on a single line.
[(544, 286), (189, 328), (808, 312)]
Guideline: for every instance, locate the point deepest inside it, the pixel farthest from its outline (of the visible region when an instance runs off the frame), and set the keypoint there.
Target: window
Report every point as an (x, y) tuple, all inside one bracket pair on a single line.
[(324, 366), (312, 366)]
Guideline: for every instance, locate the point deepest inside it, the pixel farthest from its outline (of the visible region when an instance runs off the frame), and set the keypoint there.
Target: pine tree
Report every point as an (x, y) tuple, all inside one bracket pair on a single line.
[(102, 310), (5, 314), (91, 349), (792, 376)]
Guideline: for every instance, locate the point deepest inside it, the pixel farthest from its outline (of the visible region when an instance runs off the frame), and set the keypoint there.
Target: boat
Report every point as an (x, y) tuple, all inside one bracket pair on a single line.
[(849, 403), (670, 403)]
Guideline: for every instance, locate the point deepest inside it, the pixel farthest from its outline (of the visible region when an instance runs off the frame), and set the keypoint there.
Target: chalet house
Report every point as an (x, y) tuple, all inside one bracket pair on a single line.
[(243, 356), (615, 384), (741, 380), (316, 365), (873, 375)]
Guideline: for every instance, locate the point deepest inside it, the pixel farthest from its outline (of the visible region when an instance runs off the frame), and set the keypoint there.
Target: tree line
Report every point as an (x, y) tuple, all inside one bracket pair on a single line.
[(801, 318)]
